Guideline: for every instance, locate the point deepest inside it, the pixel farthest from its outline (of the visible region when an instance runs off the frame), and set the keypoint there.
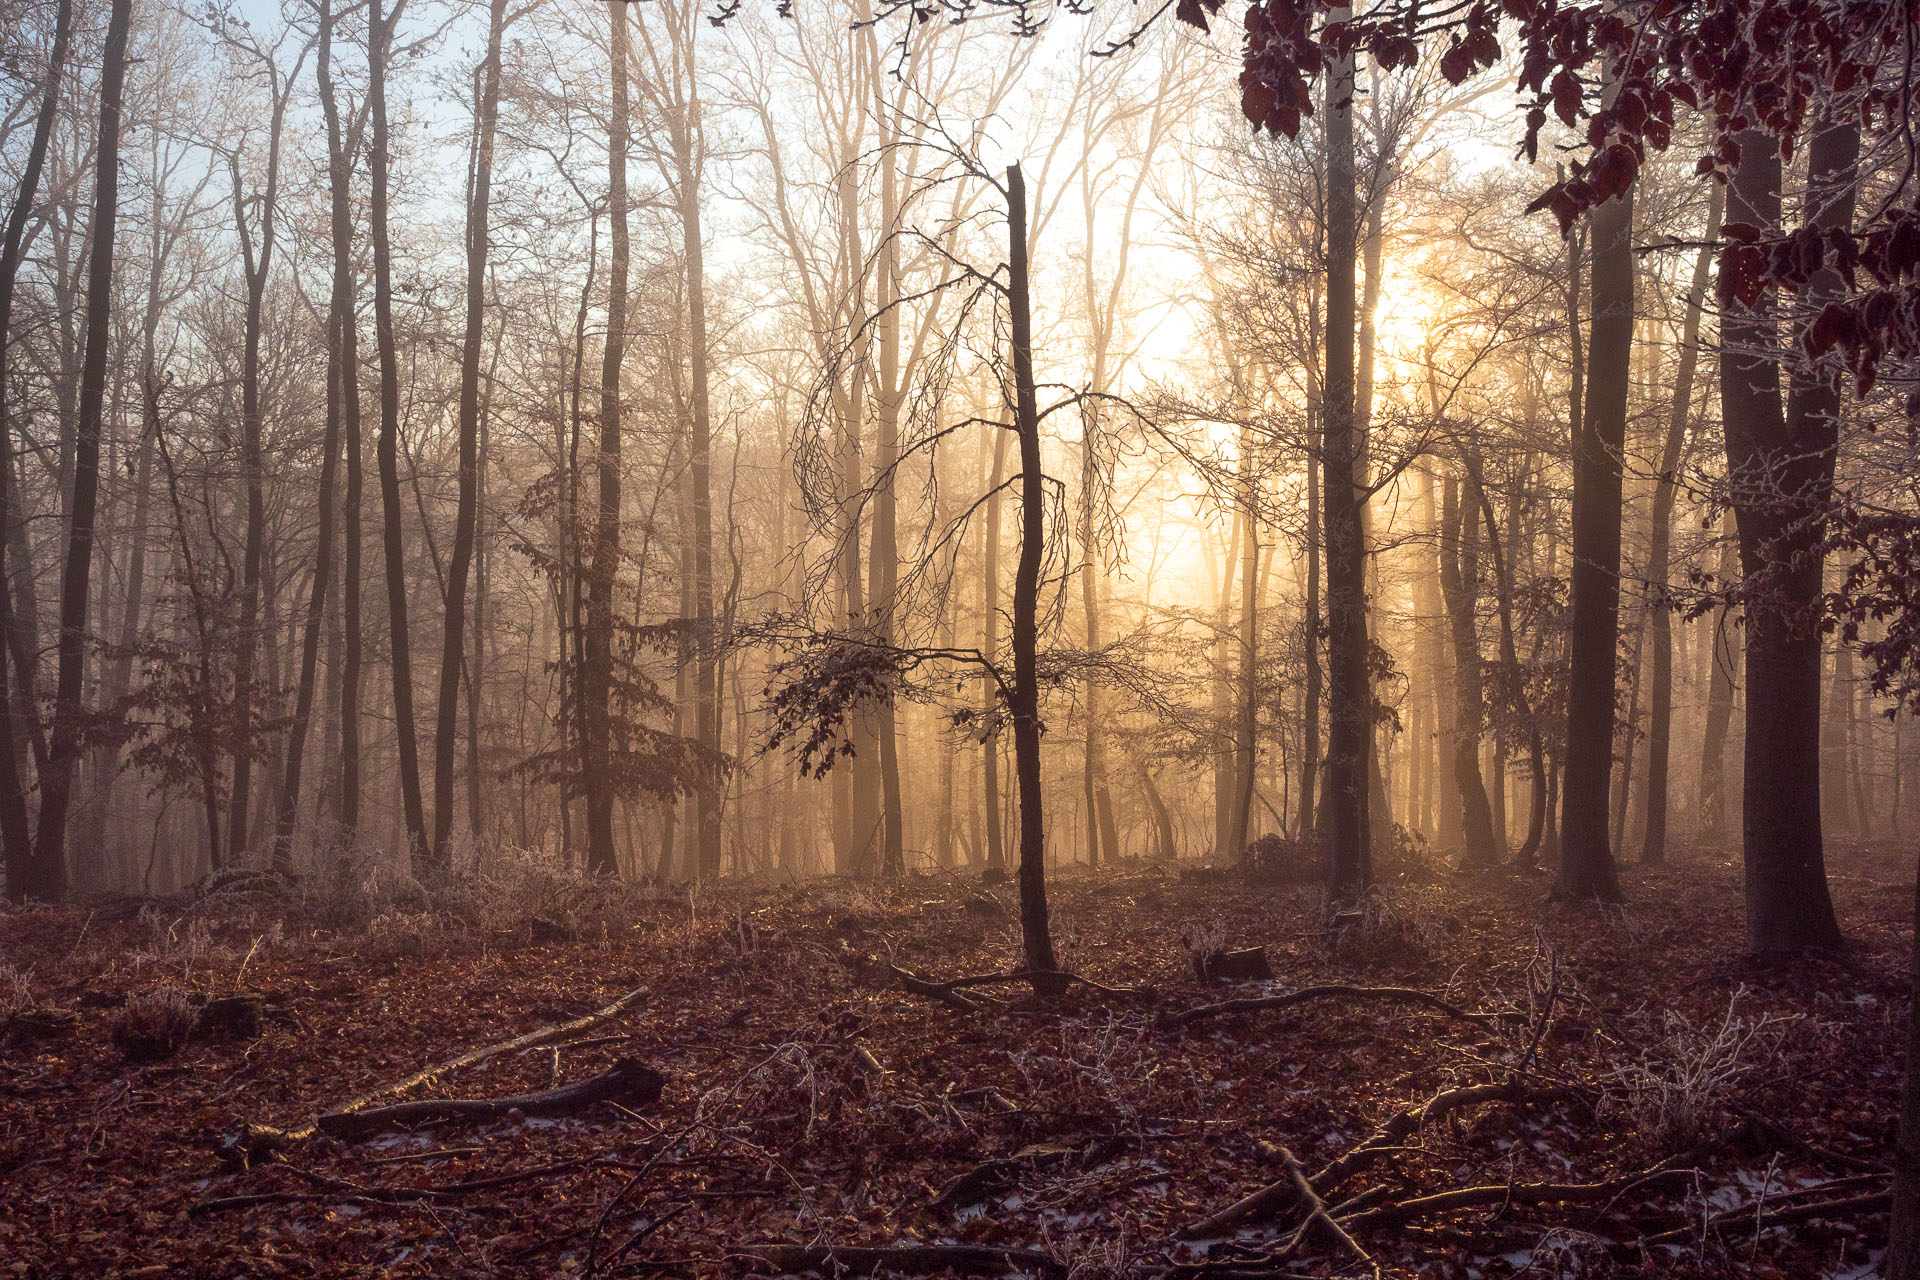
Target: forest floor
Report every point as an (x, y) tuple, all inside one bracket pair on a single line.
[(1655, 1104)]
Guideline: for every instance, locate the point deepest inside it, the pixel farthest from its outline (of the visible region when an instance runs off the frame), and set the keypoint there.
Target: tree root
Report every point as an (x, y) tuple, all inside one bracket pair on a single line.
[(1045, 983)]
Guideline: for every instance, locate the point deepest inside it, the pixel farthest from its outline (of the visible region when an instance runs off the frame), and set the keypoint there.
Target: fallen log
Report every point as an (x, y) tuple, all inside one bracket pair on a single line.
[(628, 1081), (920, 1259), (254, 1142)]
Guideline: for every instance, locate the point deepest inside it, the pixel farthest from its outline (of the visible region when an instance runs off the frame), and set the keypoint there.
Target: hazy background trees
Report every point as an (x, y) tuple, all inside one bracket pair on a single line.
[(667, 374)]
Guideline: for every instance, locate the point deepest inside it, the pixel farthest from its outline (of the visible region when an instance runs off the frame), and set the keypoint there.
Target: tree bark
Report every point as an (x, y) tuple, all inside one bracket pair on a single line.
[(1780, 467), (1024, 696), (1659, 565), (1587, 868), (1459, 579), (47, 874), (387, 445), (597, 671), (453, 642), (16, 837), (1349, 690)]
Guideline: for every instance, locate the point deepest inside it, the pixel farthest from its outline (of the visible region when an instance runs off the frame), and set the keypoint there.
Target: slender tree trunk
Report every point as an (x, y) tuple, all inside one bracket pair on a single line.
[(289, 809), (1659, 552), (1459, 577), (453, 642), (990, 647), (1723, 669), (1587, 867), (597, 671), (1781, 470), (689, 155), (340, 152), (1024, 696), (1311, 689), (387, 446), (258, 267), (47, 875), (1246, 705), (1350, 698), (15, 831)]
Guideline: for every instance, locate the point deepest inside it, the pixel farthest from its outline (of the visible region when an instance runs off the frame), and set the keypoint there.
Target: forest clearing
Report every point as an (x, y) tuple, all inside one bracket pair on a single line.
[(1701, 1115)]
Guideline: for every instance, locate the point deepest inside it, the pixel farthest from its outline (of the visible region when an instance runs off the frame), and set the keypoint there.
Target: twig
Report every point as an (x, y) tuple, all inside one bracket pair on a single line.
[(1405, 1211), (1257, 1004), (920, 1259)]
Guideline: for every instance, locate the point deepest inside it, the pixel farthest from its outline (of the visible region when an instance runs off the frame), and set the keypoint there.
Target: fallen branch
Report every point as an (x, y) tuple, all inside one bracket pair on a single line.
[(1258, 1004), (1319, 1222), (628, 1081), (1759, 1216), (922, 1259), (1267, 1202), (253, 1142), (1405, 1211), (1401, 1125)]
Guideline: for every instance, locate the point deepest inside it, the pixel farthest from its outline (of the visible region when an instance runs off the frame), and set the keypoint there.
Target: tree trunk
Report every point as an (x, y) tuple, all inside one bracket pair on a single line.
[(1024, 696), (1780, 467), (387, 446), (990, 649), (453, 642), (1659, 552), (1587, 867), (1349, 690), (16, 836), (47, 875), (684, 128), (1459, 579), (1245, 699), (1311, 689), (1724, 667), (597, 671)]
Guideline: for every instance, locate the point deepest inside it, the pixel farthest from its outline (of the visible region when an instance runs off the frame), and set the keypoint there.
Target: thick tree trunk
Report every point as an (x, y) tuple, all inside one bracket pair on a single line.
[(387, 446), (453, 641), (16, 837), (1024, 696), (47, 874), (1781, 469), (1587, 868), (1659, 553)]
